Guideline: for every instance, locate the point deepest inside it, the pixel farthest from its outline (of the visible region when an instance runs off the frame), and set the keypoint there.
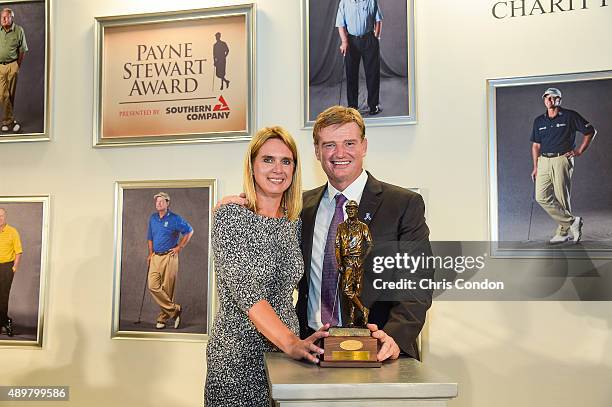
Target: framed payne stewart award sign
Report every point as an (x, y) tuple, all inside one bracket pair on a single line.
[(175, 77)]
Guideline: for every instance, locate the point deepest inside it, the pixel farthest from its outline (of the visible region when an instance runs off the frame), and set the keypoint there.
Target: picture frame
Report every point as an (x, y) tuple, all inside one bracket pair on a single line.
[(32, 92), (175, 77), (27, 305), (135, 311), (324, 83), (518, 226)]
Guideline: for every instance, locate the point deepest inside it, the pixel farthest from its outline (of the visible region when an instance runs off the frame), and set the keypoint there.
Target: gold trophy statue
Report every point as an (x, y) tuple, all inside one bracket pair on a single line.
[(351, 345)]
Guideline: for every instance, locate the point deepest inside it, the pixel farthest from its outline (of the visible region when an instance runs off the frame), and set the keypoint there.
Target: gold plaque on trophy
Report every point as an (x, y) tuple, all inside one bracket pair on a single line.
[(351, 344)]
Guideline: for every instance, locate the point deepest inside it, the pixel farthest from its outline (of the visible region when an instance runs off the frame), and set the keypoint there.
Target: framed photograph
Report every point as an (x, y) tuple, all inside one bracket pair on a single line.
[(175, 77), (375, 73), (24, 240), (24, 71), (163, 281), (568, 197)]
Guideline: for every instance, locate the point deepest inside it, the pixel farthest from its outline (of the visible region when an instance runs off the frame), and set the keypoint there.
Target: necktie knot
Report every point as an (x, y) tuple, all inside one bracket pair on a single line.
[(340, 200)]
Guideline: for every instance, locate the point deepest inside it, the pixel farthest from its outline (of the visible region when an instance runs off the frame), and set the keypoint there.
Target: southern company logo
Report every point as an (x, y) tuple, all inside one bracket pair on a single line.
[(220, 110), (221, 106)]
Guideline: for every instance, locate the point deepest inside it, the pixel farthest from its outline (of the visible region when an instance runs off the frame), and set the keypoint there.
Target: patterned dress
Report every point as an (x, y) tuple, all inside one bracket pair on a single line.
[(255, 258)]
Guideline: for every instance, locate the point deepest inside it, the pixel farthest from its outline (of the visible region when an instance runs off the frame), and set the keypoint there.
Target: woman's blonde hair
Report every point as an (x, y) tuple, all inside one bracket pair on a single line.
[(292, 197)]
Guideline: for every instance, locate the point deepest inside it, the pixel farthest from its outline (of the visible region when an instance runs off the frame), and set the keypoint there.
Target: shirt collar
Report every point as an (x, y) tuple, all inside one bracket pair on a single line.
[(559, 114), (163, 217), (352, 192), (10, 29)]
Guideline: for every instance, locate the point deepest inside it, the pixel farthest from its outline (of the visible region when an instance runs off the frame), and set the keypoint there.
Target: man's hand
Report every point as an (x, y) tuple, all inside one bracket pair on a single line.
[(14, 269), (149, 258), (235, 199), (304, 349), (573, 153), (388, 348), (175, 250), (534, 173), (343, 48)]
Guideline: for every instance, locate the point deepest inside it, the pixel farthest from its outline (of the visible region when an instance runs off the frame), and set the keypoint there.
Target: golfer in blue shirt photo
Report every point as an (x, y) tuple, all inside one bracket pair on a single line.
[(167, 236)]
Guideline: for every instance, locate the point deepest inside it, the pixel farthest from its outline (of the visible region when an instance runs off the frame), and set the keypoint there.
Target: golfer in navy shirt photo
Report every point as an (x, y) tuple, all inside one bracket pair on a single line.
[(553, 151)]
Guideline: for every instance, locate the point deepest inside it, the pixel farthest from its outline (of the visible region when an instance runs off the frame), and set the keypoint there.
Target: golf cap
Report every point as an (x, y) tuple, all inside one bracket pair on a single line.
[(352, 204), (554, 92), (162, 195)]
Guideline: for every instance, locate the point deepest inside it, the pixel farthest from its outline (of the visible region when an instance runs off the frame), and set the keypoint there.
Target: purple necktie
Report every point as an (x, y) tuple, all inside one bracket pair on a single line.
[(329, 280)]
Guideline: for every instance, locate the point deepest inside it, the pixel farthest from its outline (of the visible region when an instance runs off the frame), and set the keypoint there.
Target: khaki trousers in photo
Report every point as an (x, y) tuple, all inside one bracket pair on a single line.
[(8, 85), (553, 190), (162, 275)]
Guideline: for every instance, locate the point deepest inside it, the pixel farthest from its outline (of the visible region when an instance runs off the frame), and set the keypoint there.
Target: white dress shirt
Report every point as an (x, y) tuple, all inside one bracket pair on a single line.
[(325, 213)]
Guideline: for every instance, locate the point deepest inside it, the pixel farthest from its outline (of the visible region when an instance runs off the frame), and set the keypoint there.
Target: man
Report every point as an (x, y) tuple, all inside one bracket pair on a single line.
[(393, 214), (10, 256), (553, 151), (359, 24), (165, 244), (220, 51), (13, 47), (353, 244)]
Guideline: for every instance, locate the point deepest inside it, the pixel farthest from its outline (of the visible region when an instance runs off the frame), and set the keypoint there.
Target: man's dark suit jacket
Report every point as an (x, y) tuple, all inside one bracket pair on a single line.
[(396, 214)]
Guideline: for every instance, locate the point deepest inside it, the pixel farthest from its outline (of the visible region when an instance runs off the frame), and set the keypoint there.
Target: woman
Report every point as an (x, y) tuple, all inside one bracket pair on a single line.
[(258, 264)]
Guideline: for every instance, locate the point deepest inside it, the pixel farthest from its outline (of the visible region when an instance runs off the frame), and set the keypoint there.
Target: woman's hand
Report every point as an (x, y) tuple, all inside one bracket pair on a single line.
[(269, 325), (232, 199), (306, 348)]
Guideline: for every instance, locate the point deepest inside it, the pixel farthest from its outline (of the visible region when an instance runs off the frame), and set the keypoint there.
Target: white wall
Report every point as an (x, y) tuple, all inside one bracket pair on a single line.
[(502, 354)]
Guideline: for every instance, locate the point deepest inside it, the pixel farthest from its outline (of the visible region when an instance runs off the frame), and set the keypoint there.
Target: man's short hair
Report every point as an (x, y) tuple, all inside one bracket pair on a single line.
[(162, 195), (8, 10), (337, 115)]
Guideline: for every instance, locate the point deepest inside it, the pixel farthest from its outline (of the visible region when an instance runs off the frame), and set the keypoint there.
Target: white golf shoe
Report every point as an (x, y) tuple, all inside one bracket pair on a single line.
[(557, 239), (576, 229)]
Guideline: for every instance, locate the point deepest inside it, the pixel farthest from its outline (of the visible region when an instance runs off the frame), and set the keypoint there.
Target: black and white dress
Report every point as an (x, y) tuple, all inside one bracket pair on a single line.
[(256, 258)]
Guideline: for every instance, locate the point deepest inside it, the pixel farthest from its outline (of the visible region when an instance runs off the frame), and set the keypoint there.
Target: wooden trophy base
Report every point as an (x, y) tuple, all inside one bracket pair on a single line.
[(350, 347)]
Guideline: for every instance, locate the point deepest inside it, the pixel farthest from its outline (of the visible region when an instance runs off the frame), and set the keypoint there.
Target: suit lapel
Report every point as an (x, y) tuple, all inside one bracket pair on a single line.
[(309, 213), (370, 199)]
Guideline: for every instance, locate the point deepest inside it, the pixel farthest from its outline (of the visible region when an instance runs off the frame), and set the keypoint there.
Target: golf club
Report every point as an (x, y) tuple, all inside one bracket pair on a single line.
[(341, 79), (144, 290), (531, 213)]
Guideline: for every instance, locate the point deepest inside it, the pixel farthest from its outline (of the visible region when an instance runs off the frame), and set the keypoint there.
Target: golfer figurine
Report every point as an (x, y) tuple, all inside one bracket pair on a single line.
[(351, 345), (353, 244)]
